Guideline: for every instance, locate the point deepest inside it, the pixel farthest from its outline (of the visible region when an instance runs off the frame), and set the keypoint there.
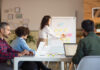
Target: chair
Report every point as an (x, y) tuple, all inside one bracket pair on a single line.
[(89, 63)]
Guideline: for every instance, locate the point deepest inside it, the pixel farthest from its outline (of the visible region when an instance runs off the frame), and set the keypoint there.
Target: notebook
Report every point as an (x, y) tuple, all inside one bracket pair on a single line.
[(70, 49)]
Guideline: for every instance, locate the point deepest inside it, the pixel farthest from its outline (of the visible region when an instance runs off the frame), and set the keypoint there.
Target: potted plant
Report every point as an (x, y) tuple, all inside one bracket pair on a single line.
[(30, 38)]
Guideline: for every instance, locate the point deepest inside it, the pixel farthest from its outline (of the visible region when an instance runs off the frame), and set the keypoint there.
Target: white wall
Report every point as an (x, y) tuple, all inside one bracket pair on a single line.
[(34, 10)]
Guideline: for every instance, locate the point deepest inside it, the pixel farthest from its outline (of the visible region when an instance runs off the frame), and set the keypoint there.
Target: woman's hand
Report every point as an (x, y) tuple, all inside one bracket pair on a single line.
[(63, 35)]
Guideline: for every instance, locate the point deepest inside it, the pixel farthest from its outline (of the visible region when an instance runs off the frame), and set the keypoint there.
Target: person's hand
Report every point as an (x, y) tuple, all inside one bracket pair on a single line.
[(31, 53), (25, 52), (20, 54), (63, 35)]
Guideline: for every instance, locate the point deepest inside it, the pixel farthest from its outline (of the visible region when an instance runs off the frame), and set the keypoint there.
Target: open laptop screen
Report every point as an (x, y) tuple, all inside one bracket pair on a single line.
[(70, 49)]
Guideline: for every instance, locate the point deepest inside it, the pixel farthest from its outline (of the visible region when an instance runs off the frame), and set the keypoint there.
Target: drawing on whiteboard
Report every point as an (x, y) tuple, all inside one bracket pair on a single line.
[(65, 30), (69, 35), (66, 26), (60, 24)]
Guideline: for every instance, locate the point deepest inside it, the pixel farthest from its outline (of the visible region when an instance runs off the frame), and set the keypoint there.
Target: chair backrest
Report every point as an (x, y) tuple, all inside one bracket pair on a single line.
[(89, 63)]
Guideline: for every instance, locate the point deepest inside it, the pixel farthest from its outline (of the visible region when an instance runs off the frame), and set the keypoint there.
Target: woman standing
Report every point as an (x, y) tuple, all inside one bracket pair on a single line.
[(45, 30)]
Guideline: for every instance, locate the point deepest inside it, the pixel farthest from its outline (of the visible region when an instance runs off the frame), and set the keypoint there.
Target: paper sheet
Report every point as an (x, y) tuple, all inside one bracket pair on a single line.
[(54, 47)]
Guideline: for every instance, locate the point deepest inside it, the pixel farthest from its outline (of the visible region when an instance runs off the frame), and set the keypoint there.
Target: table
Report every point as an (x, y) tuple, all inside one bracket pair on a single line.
[(60, 58)]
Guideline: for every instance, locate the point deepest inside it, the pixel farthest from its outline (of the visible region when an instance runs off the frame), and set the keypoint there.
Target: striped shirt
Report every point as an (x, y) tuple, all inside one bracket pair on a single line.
[(6, 52)]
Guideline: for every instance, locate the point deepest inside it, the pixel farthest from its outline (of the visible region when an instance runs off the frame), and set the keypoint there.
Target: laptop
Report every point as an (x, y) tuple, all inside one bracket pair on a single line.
[(70, 49)]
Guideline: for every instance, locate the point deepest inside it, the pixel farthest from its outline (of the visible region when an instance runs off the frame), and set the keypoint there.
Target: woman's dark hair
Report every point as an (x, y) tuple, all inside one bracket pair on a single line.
[(22, 31), (44, 21), (88, 25)]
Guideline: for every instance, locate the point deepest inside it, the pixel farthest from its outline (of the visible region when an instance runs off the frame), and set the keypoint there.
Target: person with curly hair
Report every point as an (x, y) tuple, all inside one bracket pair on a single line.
[(20, 44)]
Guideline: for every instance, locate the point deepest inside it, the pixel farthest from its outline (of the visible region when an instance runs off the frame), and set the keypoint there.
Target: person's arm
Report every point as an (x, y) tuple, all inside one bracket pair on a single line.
[(11, 55), (26, 47), (79, 53), (10, 49), (7, 55), (51, 32)]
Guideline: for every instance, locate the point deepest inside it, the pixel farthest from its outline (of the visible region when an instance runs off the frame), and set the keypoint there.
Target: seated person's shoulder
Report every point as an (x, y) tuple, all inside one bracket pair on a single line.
[(20, 40), (85, 38)]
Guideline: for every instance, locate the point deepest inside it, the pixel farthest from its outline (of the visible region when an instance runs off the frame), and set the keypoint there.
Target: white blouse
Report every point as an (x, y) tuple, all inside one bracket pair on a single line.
[(47, 31)]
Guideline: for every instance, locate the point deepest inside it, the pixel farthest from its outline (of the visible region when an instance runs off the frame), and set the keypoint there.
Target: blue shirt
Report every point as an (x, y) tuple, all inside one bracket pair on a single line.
[(19, 44)]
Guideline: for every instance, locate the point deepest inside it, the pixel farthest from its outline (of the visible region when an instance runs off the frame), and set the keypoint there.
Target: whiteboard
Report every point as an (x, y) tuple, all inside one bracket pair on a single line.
[(65, 25)]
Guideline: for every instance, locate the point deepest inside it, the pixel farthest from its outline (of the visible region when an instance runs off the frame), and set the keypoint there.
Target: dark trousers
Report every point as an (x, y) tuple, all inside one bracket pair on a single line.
[(29, 65), (26, 65)]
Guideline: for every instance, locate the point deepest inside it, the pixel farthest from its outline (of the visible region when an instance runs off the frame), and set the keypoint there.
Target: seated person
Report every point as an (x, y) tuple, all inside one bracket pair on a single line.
[(89, 45), (20, 44), (6, 52)]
